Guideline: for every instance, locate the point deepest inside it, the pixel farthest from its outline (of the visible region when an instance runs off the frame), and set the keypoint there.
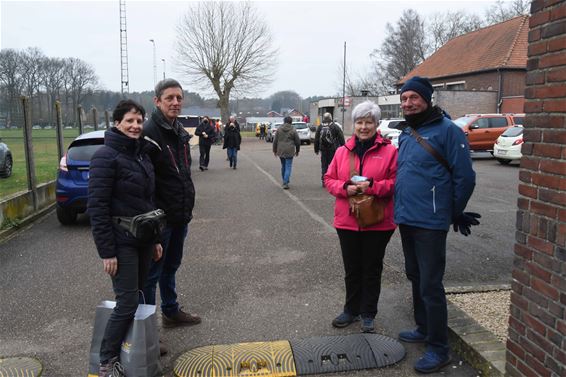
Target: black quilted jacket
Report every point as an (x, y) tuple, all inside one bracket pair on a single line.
[(121, 183)]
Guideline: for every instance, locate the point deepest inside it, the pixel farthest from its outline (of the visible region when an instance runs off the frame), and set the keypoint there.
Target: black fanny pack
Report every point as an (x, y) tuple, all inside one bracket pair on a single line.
[(146, 227)]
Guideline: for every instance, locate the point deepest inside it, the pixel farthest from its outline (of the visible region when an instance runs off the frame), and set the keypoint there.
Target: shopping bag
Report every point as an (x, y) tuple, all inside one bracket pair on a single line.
[(140, 349)]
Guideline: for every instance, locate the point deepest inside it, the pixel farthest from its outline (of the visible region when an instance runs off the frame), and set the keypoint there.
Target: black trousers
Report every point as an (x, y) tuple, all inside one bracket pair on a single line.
[(326, 157), (362, 253), (204, 155), (133, 266)]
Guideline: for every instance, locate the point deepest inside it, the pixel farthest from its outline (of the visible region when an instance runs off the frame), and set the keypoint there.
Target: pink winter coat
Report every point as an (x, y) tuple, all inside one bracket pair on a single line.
[(379, 163)]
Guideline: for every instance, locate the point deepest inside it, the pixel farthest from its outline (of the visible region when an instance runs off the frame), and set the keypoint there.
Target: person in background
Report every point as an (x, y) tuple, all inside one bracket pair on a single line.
[(286, 144), (374, 160), (428, 198), (175, 194), (232, 141), (206, 133), (121, 184), (327, 139), (262, 129)]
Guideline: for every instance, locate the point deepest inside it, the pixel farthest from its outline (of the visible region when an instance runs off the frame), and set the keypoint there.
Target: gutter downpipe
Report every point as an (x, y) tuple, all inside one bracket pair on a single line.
[(499, 95)]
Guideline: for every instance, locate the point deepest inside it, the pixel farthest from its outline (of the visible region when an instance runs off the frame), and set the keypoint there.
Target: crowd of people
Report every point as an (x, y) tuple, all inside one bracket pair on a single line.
[(422, 188)]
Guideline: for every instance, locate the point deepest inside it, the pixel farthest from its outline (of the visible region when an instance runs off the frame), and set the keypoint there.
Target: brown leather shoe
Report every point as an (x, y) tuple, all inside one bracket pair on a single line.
[(180, 318)]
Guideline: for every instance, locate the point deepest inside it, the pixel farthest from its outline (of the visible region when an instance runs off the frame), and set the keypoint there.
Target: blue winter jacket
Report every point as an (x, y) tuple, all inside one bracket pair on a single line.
[(427, 195)]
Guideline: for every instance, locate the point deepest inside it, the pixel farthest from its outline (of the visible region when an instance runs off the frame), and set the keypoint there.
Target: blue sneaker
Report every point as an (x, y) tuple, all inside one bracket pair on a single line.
[(412, 336), (432, 362), (345, 319), (367, 325)]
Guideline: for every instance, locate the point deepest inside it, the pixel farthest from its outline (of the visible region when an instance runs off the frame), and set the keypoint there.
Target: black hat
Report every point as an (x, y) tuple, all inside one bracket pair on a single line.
[(421, 85)]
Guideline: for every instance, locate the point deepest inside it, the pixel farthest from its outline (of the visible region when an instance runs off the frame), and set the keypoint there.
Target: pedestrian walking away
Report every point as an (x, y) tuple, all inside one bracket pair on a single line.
[(262, 131), (232, 141), (286, 145), (328, 138), (121, 184), (175, 194), (206, 133), (231, 119), (374, 161), (435, 180)]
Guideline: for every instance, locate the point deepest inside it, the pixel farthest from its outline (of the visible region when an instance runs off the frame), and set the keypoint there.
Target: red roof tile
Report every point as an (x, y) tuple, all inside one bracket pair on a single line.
[(503, 45)]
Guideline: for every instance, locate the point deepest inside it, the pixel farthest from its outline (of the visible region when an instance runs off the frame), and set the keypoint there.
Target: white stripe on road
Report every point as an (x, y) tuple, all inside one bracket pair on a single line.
[(313, 215)]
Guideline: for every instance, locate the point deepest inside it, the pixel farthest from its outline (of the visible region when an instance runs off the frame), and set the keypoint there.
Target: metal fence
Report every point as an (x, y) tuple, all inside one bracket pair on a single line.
[(36, 147)]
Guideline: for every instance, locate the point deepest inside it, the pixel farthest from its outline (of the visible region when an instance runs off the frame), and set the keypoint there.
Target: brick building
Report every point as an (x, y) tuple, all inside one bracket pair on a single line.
[(536, 344), (492, 59)]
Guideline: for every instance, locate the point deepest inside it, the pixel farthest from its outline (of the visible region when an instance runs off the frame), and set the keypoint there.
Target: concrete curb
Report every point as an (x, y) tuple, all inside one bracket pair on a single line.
[(7, 233), (475, 344)]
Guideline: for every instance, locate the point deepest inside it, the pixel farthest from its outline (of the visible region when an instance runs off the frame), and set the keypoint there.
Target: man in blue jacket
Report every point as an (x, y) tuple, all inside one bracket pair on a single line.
[(435, 180)]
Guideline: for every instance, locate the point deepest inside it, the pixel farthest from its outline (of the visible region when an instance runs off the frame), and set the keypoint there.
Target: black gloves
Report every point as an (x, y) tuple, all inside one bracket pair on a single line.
[(464, 221)]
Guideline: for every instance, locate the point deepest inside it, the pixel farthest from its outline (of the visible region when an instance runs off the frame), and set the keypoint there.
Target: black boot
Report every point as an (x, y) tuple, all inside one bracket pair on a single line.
[(231, 162)]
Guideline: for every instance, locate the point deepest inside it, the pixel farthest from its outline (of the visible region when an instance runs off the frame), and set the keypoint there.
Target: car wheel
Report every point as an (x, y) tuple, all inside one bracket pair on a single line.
[(66, 216), (7, 169), (503, 161), (309, 142)]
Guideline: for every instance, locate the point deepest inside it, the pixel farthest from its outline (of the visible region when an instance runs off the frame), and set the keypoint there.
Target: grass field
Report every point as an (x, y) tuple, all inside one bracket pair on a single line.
[(45, 155)]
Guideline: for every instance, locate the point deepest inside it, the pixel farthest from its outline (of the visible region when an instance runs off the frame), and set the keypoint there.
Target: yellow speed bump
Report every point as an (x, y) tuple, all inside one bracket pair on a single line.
[(20, 367), (238, 360)]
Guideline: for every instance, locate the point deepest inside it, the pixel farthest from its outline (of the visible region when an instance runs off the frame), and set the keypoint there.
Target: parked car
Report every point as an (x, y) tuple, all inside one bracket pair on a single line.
[(271, 132), (71, 191), (393, 135), (508, 146), (388, 125), (303, 131), (6, 160), (482, 130)]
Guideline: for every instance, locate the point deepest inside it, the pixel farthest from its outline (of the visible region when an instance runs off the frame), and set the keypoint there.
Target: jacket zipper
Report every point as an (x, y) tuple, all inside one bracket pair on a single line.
[(173, 159), (433, 189), (186, 159)]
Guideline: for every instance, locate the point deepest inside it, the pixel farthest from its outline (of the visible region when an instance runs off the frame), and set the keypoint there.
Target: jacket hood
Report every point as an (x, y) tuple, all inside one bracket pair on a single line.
[(285, 127)]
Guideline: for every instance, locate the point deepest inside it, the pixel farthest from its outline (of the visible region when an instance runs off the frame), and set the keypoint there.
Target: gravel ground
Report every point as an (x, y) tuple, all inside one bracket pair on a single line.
[(489, 309)]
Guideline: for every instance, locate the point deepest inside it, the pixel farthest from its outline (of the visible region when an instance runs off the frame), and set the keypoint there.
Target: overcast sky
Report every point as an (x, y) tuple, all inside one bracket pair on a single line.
[(309, 35)]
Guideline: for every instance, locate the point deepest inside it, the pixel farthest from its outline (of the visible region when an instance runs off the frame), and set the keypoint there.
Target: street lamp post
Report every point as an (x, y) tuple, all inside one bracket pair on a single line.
[(154, 64), (163, 60)]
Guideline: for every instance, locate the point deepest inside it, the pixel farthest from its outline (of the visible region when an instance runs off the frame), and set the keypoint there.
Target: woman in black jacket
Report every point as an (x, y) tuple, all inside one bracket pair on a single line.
[(206, 133), (121, 184), (232, 140)]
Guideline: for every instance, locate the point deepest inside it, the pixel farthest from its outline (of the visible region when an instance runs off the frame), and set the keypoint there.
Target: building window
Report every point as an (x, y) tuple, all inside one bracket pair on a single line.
[(458, 85)]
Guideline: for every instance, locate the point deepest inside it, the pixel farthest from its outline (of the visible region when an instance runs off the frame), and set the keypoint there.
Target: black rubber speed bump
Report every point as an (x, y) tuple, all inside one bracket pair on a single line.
[(243, 359), (20, 367), (344, 353), (283, 359)]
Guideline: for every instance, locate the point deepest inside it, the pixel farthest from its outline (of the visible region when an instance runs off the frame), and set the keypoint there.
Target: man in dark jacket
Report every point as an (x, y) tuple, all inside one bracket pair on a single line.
[(206, 134), (431, 192), (327, 139), (175, 194)]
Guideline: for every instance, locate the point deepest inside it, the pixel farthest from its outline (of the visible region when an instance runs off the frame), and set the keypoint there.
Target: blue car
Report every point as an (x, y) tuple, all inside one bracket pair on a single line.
[(72, 177)]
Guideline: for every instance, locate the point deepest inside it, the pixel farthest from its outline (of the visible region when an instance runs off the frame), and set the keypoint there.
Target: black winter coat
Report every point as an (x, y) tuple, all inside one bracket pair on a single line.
[(121, 183), (205, 128), (232, 138), (171, 157)]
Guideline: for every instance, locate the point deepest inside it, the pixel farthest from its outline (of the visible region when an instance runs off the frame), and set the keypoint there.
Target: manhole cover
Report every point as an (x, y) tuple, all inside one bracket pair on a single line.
[(20, 366)]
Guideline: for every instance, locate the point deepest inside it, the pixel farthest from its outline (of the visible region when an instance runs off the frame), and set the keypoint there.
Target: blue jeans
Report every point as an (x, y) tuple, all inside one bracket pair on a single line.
[(286, 167), (133, 265), (425, 262), (233, 156), (173, 239)]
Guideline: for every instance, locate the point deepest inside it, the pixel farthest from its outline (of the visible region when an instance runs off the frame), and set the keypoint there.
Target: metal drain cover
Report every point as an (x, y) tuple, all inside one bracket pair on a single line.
[(20, 366)]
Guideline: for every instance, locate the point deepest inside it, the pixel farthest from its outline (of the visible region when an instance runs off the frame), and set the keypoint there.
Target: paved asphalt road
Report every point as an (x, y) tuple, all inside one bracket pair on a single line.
[(260, 264)]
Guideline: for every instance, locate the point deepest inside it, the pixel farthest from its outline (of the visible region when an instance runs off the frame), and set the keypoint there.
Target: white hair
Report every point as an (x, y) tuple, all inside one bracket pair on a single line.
[(366, 109)]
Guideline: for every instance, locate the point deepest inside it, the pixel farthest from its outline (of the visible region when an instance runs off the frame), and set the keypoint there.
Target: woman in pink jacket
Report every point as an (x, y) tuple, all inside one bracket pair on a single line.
[(363, 249)]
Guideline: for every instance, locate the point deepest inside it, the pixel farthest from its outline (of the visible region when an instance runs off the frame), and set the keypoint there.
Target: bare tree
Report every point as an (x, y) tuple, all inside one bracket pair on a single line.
[(403, 49), (53, 82), (227, 46), (10, 82), (285, 99), (442, 27), (505, 10), (78, 78)]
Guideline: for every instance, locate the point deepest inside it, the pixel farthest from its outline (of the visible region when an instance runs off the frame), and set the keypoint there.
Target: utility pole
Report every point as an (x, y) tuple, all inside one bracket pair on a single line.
[(154, 64), (344, 88), (163, 60), (125, 84)]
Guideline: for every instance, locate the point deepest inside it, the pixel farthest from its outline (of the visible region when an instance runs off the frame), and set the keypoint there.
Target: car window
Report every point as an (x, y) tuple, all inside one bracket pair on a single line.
[(462, 121), (519, 120), (393, 123), (300, 126), (513, 132), (498, 122), (84, 152), (481, 123)]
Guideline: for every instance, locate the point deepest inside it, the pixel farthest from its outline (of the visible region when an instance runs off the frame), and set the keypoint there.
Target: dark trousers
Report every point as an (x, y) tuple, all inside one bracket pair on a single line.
[(133, 264), (362, 253), (204, 155), (425, 262), (164, 270), (326, 157)]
